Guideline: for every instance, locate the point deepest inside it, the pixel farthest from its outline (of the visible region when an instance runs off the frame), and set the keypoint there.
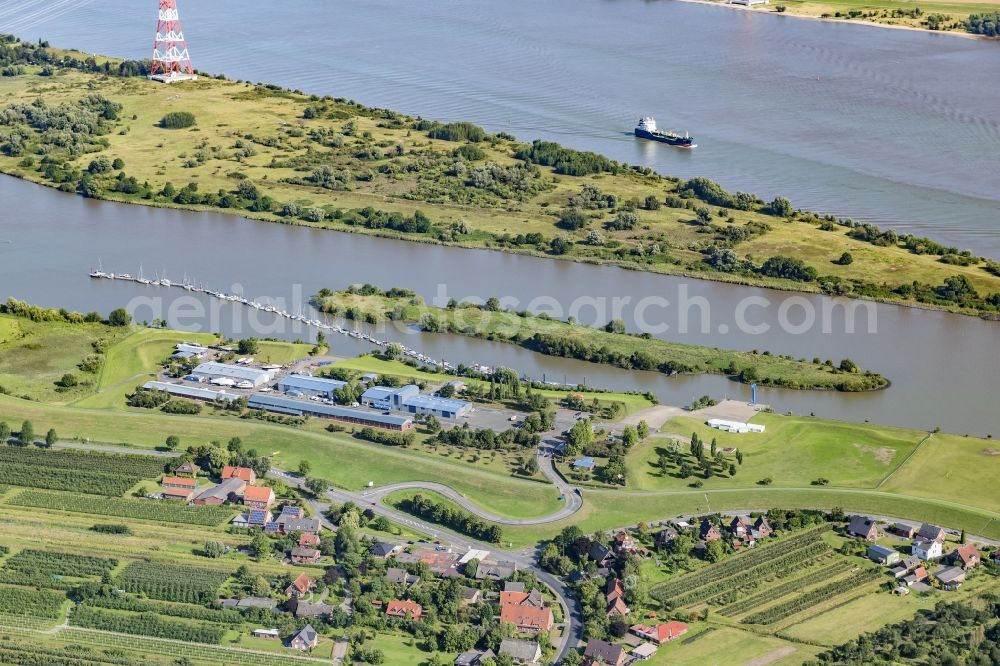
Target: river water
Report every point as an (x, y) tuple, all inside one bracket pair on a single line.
[(893, 126), (898, 127), (941, 365)]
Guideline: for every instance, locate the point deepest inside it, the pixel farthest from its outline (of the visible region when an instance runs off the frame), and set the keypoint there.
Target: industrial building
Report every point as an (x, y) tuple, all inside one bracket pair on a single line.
[(238, 374), (187, 350), (734, 426), (409, 399), (385, 397), (310, 386), (282, 405), (195, 392), (446, 408)]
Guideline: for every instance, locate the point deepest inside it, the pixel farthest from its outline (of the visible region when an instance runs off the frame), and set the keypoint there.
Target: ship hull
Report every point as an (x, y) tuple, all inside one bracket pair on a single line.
[(677, 141)]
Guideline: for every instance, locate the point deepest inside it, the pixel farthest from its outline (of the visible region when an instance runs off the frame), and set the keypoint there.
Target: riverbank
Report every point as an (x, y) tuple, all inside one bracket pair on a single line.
[(892, 14), (277, 155), (612, 346)]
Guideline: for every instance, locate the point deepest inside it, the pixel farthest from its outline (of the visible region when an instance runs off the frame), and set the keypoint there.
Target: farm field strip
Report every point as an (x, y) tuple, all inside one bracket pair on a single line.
[(775, 593), (812, 598), (122, 507), (736, 565), (753, 576)]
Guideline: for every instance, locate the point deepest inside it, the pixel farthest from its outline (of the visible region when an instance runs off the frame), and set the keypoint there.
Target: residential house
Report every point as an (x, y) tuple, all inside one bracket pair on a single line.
[(602, 555), (931, 533), (588, 464), (179, 482), (762, 527), (471, 595), (966, 557), (623, 542), (864, 527), (615, 598), (661, 633), (527, 618), (242, 473), (303, 555), (496, 571), (918, 575), (404, 609), (739, 527), (300, 609), (187, 468), (269, 634), (474, 657), (258, 517), (258, 497), (284, 524), (904, 530), (523, 652), (883, 555), (643, 652), (306, 639), (384, 550), (400, 577), (309, 540), (905, 566), (708, 531), (602, 652), (300, 586), (230, 490), (533, 598), (666, 537), (926, 550), (951, 578)]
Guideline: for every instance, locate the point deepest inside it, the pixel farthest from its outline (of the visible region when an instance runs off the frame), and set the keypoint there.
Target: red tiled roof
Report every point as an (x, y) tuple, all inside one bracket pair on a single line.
[(968, 553), (302, 583), (402, 608), (527, 617), (180, 493), (258, 494), (179, 481), (244, 473)]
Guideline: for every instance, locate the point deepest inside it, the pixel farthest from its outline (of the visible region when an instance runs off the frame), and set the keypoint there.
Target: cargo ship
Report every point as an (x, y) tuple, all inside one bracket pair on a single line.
[(646, 129)]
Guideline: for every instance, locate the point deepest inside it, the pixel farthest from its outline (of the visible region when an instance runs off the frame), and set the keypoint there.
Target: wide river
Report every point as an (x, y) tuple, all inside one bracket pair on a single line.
[(944, 367), (898, 127), (887, 125)]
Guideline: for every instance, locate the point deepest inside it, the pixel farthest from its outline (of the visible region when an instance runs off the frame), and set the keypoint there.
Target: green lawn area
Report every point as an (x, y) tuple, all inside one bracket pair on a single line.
[(952, 466), (281, 352), (134, 361), (404, 649), (34, 355), (337, 457), (792, 451), (727, 646), (874, 611)]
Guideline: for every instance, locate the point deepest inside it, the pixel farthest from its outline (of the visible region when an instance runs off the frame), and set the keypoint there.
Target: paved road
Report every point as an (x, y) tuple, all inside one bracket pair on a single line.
[(525, 559)]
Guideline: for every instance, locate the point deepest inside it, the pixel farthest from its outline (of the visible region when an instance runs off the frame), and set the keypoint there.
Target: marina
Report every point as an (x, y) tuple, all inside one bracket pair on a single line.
[(188, 285)]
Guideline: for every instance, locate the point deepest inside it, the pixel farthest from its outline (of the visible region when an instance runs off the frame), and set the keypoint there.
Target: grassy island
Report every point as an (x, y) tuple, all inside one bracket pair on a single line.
[(97, 127), (610, 345)]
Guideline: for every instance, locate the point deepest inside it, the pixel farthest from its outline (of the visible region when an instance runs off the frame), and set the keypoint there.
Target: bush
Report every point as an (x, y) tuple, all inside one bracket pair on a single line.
[(458, 132), (177, 120)]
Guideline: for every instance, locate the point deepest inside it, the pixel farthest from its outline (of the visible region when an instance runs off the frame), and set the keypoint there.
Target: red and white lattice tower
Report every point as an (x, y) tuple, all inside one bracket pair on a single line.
[(171, 60)]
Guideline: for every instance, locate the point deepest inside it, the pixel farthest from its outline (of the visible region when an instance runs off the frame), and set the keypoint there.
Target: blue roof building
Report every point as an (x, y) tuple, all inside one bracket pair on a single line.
[(306, 385), (410, 399), (386, 397), (587, 463), (447, 408)]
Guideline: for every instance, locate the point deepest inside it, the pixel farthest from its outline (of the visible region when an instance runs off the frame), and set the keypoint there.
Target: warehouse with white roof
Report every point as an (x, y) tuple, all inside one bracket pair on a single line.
[(207, 372)]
